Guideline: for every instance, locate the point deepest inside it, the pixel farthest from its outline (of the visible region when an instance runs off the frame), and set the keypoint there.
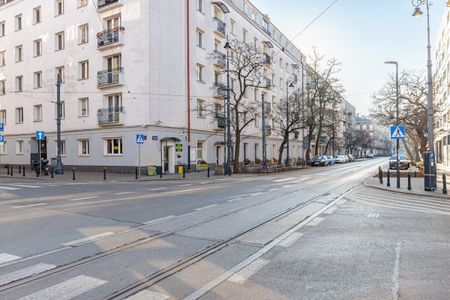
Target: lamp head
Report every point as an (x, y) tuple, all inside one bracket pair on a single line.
[(227, 45), (418, 12), (390, 62)]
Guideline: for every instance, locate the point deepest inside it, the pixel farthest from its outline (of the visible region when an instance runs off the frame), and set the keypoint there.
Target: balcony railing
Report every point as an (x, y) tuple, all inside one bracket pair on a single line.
[(267, 83), (267, 59), (220, 59), (220, 90), (111, 116), (220, 25), (220, 122), (110, 77), (110, 37), (103, 3)]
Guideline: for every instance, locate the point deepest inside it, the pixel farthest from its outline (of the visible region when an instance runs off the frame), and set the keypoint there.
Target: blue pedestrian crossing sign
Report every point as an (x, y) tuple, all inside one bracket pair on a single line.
[(40, 135), (2, 139), (140, 139), (2, 126), (398, 132)]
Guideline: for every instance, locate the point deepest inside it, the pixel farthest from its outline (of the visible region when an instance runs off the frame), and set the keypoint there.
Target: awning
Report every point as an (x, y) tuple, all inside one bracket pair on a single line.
[(167, 139)]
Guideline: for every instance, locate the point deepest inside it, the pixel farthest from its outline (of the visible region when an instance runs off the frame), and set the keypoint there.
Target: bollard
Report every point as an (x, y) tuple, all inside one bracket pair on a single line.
[(136, 174), (20, 169), (409, 181), (12, 170), (388, 178), (415, 174), (52, 171), (160, 172), (104, 173), (444, 184), (184, 172), (208, 172), (7, 169), (73, 174), (23, 171), (380, 175)]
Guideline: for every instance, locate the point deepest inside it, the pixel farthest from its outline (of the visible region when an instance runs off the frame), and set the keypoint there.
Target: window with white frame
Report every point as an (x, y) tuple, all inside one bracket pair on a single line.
[(201, 107), (19, 53), (2, 87), (256, 151), (244, 35), (63, 147), (37, 48), (113, 146), (37, 79), (59, 41), (83, 69), (200, 74), (83, 147), (2, 58), (37, 113), (37, 15), (59, 74), (200, 150), (20, 147), (257, 120), (19, 115), (3, 148), (3, 116), (83, 107), (199, 38), (59, 7), (2, 28), (63, 110), (233, 26), (200, 5), (18, 22), (19, 84), (82, 3), (83, 34)]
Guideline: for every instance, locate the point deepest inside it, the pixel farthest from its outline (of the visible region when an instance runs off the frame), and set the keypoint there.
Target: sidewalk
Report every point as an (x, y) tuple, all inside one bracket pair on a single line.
[(417, 186)]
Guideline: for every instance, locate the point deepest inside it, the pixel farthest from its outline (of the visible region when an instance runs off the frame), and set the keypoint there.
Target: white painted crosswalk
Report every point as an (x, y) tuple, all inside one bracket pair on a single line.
[(5, 257), (25, 273)]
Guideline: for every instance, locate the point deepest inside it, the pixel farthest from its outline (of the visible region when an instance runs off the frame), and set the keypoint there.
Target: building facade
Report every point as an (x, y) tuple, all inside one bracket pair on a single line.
[(442, 91), (373, 138), (131, 67)]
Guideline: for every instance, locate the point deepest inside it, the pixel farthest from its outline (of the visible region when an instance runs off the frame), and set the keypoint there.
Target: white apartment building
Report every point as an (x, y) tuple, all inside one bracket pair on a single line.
[(131, 67), (442, 91)]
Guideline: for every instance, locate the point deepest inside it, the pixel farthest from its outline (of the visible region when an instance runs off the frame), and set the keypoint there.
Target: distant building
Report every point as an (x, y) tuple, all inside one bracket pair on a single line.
[(378, 143)]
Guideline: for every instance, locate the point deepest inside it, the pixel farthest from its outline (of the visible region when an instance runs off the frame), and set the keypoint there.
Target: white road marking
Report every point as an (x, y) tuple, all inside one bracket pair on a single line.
[(67, 289), (288, 186), (331, 210), (8, 188), (83, 198), (185, 185), (160, 220), (205, 182), (124, 193), (315, 222), (396, 272), (274, 189), (87, 239), (255, 194), (290, 240), (24, 273), (218, 280), (205, 207), (158, 189), (244, 274), (284, 179), (234, 199), (29, 205), (187, 214), (373, 215), (343, 201), (147, 295), (25, 186), (5, 257)]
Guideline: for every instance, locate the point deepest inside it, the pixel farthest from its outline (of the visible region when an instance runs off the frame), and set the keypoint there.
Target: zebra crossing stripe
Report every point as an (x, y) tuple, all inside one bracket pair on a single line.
[(5, 257), (147, 295), (24, 273)]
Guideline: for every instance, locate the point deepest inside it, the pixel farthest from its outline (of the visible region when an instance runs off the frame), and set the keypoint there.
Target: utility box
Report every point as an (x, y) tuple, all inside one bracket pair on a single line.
[(429, 166)]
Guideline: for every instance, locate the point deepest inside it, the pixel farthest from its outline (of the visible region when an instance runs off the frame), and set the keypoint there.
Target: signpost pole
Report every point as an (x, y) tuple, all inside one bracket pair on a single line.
[(139, 164), (39, 153)]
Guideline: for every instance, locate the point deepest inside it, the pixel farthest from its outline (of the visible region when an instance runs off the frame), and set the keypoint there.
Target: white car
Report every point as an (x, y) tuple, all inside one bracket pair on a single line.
[(341, 159)]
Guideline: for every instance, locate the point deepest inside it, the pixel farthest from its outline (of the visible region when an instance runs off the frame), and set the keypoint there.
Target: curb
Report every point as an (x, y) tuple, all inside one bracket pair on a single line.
[(406, 193)]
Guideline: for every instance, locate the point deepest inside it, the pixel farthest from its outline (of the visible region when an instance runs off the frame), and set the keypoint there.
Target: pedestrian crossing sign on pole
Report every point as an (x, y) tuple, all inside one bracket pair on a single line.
[(140, 139), (398, 132)]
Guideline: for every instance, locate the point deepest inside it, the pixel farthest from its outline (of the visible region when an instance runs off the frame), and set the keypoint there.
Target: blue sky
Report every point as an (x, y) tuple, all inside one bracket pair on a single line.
[(361, 34)]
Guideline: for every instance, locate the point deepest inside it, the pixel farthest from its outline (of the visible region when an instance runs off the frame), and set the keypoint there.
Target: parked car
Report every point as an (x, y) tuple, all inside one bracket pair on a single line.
[(370, 155), (340, 159), (330, 160), (404, 162), (350, 157), (319, 160)]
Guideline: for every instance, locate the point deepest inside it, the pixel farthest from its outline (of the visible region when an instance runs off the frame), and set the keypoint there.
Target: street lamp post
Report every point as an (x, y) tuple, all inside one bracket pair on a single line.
[(397, 121), (431, 162), (228, 116), (289, 83), (59, 168), (263, 116)]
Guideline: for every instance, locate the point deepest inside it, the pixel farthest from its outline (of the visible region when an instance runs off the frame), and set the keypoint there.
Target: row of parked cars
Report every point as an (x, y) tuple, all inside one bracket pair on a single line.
[(324, 160)]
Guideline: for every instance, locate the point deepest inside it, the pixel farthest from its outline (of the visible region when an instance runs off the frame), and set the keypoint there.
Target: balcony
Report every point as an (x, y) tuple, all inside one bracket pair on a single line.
[(108, 78), (110, 37), (266, 83), (104, 5), (220, 26), (220, 122), (111, 116), (220, 59), (267, 59), (267, 107), (220, 90)]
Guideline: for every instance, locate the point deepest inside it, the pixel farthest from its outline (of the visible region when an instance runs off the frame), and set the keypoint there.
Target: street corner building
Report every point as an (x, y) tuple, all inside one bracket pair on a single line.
[(131, 67)]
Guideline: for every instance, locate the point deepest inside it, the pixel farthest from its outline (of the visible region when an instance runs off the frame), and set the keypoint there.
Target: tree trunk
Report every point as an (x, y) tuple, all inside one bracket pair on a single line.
[(281, 150), (237, 150), (326, 147), (319, 133)]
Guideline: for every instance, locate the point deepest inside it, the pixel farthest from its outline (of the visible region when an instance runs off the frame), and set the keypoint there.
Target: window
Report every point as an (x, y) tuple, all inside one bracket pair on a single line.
[(19, 115), (19, 53), (59, 41), (59, 7), (18, 22), (2, 58), (83, 148), (3, 148), (59, 74), (199, 38), (113, 146), (2, 29), (201, 106), (244, 35), (63, 147), (83, 34), (19, 147), (200, 150), (83, 107), (200, 5), (256, 151), (3, 116), (245, 151), (19, 84), (200, 72), (37, 48), (38, 79), (82, 3), (63, 109), (37, 16), (233, 26), (83, 70), (256, 120), (2, 87), (37, 113)]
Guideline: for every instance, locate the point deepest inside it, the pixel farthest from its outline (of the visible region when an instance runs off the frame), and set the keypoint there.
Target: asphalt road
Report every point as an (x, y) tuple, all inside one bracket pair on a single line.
[(310, 234)]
